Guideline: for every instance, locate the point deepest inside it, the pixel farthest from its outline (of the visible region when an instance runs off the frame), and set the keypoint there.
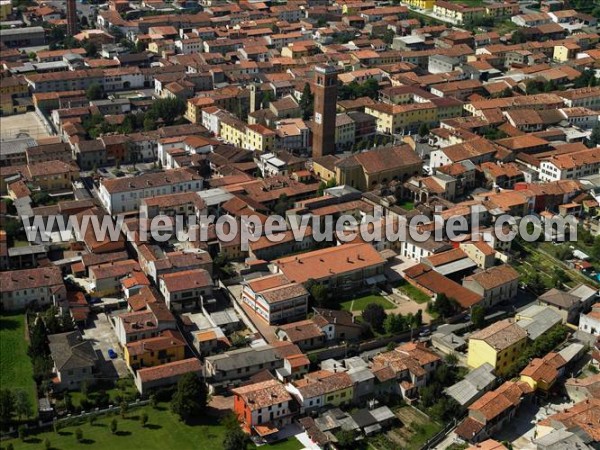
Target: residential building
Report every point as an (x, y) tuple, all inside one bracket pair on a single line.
[(322, 389), (275, 299), (570, 304), (150, 378), (74, 360), (499, 345), (493, 411), (262, 408), (169, 346), (42, 286), (590, 322), (496, 284), (121, 195), (349, 267), (187, 289)]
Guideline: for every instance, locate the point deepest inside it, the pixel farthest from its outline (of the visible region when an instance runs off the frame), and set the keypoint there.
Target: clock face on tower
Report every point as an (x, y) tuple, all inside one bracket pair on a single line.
[(318, 118)]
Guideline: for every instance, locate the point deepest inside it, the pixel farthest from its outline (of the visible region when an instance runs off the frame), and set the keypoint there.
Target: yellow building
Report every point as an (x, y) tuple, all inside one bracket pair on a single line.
[(259, 138), (324, 167), (166, 348), (233, 131), (542, 373), (565, 52), (500, 345), (457, 13), (15, 86), (422, 4), (397, 118), (5, 9), (195, 106)]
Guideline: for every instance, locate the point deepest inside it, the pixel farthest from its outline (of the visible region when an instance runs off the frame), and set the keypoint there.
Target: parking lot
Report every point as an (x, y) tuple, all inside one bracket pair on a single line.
[(103, 337)]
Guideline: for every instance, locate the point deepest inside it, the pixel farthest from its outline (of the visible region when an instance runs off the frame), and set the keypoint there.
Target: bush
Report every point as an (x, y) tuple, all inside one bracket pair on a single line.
[(79, 435), (113, 426)]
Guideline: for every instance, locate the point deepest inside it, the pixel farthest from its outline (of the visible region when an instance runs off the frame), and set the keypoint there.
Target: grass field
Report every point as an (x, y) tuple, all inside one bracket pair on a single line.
[(17, 370), (414, 293), (360, 303), (163, 431)]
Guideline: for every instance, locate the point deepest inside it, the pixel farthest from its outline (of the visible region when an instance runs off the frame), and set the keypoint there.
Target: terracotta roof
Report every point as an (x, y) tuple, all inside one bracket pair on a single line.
[(494, 276), (501, 335), (321, 264), (263, 394), (173, 369), (435, 282), (186, 280)]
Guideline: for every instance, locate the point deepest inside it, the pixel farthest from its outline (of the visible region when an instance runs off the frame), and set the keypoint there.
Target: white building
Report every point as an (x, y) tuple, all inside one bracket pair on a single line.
[(120, 195), (590, 322), (571, 166)]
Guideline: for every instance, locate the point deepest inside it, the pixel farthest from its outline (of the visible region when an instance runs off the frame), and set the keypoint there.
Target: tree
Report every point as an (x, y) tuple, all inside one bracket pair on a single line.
[(123, 407), (79, 435), (444, 306), (90, 48), (282, 205), (423, 129), (149, 124), (7, 405), (190, 398), (153, 401), (47, 444), (307, 102), (144, 419), (478, 316), (235, 439), (451, 359), (113, 425), (374, 315), (22, 432), (418, 319), (94, 92), (22, 404), (395, 323), (346, 439), (320, 294), (594, 139)]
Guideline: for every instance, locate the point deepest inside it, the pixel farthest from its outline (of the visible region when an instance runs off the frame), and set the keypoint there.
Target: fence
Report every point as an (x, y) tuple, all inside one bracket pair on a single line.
[(71, 420)]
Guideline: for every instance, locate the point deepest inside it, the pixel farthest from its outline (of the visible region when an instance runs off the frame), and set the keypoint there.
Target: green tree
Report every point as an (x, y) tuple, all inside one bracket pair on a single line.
[(374, 315), (113, 425), (23, 406), (320, 294), (90, 48), (423, 129), (444, 306), (143, 419), (7, 405), (153, 401), (235, 439), (283, 204), (95, 91), (79, 435), (307, 102), (123, 408), (190, 398), (346, 439), (451, 359), (47, 444), (478, 316), (594, 139), (22, 432)]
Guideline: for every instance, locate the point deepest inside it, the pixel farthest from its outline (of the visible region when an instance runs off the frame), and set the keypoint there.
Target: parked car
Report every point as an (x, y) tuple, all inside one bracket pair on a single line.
[(111, 353)]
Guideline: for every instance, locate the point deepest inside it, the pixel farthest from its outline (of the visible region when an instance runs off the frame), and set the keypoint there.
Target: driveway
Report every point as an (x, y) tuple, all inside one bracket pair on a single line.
[(103, 337)]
